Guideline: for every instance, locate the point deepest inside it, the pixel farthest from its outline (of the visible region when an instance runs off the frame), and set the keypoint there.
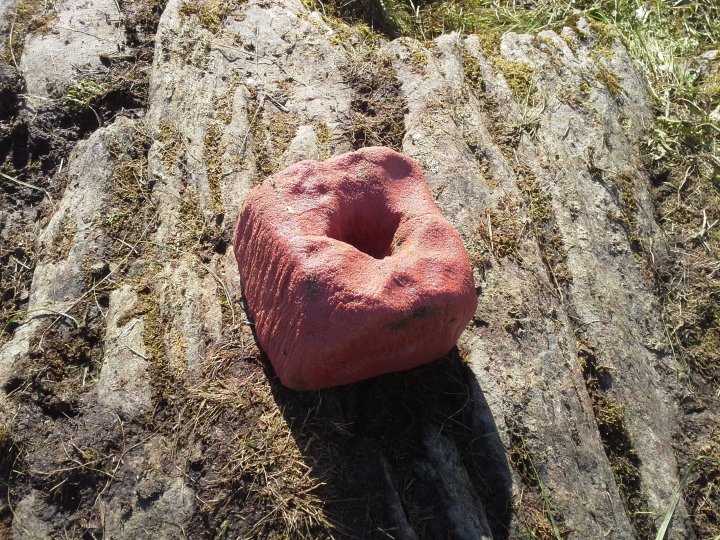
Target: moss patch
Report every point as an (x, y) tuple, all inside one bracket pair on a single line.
[(272, 131), (131, 210), (418, 54), (610, 79), (167, 385), (211, 14), (544, 226), (63, 239), (324, 137), (518, 76), (473, 75), (502, 231), (630, 208), (378, 109), (172, 146), (27, 16), (610, 418), (537, 516), (213, 150)]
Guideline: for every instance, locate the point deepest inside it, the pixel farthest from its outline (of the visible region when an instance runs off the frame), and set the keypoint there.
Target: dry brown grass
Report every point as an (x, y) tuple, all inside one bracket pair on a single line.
[(378, 110), (211, 14), (501, 230), (537, 516), (254, 482), (26, 16)]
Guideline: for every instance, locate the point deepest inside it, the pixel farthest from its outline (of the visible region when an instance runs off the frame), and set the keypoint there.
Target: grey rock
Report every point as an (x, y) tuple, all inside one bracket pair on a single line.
[(123, 384), (71, 239), (549, 195), (82, 31)]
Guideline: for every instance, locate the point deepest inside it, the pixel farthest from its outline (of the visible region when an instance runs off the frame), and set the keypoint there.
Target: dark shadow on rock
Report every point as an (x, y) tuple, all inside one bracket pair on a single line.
[(405, 455)]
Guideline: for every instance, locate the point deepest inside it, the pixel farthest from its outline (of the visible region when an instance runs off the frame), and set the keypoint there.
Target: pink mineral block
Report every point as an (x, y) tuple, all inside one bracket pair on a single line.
[(350, 271)]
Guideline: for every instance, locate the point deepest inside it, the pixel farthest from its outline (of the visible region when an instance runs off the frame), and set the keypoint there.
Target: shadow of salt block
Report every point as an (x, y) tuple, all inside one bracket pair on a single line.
[(350, 271)]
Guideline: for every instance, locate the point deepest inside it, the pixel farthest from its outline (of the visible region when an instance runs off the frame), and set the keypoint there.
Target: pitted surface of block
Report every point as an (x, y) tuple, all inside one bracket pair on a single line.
[(350, 271)]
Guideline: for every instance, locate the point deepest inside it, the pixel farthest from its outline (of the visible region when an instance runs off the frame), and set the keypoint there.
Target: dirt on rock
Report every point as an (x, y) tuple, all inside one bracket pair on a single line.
[(134, 400)]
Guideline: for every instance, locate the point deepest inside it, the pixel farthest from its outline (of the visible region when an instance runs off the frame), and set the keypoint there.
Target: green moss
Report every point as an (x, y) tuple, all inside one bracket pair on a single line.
[(473, 76), (610, 418), (501, 230), (418, 54), (490, 42), (610, 79), (604, 35), (518, 76), (211, 14), (419, 58), (27, 16), (570, 40), (544, 226), (63, 239), (80, 96)]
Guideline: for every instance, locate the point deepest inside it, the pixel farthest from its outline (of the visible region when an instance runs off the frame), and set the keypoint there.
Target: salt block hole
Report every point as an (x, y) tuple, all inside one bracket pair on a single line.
[(368, 226)]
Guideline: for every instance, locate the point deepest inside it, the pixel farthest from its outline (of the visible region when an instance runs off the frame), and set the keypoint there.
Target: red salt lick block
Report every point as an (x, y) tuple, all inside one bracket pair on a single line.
[(350, 271)]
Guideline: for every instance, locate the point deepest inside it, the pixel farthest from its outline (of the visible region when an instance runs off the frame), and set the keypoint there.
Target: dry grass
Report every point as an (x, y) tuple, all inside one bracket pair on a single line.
[(254, 481), (211, 14), (703, 491), (537, 516), (26, 16), (17, 261), (378, 110)]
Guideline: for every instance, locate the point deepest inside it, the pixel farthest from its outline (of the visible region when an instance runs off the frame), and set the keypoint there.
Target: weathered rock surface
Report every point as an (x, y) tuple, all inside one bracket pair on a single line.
[(133, 397), (350, 271), (78, 34)]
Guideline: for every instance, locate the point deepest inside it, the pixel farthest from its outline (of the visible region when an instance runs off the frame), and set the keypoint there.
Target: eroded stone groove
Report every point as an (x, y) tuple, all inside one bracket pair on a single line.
[(623, 273), (610, 417), (378, 108)]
